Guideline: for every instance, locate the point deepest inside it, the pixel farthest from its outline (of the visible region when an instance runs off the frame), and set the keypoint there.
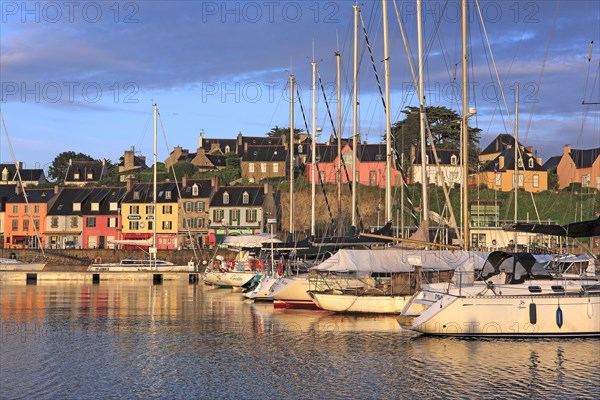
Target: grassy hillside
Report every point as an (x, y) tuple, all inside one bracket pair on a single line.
[(558, 206)]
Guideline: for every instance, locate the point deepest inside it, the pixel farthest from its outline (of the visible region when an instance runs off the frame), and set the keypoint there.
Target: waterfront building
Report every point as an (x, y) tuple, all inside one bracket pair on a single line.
[(29, 177), (101, 217), (194, 215), (81, 173), (131, 165), (64, 221), (262, 162), (450, 167), (22, 218)]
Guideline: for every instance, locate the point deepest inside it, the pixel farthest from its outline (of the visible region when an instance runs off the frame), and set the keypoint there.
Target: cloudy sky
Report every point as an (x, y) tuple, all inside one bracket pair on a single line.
[(82, 76)]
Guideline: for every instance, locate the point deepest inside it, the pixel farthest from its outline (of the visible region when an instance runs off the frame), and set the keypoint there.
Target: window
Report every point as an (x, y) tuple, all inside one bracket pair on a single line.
[(531, 163), (167, 209), (15, 209), (225, 198), (218, 215), (195, 190), (251, 215), (90, 175), (168, 195), (585, 180), (36, 209), (233, 215), (76, 206), (112, 222), (4, 174), (520, 163), (200, 223), (167, 224), (136, 195), (95, 206), (90, 222), (74, 222), (36, 224), (150, 209), (134, 209), (536, 180), (520, 180), (150, 225), (275, 168), (498, 179), (15, 224), (453, 159), (134, 225), (189, 223), (76, 175), (299, 148), (378, 157), (26, 225), (245, 198), (54, 222), (227, 149), (200, 206), (188, 206), (251, 167), (114, 206), (263, 167)]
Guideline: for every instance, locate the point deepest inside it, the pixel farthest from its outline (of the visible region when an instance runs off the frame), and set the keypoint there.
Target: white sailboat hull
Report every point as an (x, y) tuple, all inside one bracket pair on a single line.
[(292, 293), (233, 279), (21, 266), (350, 303), (261, 292), (511, 314), (117, 267)]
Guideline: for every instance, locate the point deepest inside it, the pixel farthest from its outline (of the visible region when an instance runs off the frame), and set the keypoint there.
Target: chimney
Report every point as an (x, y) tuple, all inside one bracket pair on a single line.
[(501, 162), (267, 187), (56, 189), (539, 160), (128, 159), (567, 149), (184, 180), (129, 184), (214, 182), (245, 147), (239, 139), (201, 139)]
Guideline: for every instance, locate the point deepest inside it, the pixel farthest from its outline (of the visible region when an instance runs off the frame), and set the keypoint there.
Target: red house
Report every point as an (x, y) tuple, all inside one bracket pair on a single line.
[(101, 217)]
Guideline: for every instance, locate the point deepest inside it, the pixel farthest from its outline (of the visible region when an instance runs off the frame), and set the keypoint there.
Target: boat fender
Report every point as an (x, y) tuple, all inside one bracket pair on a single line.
[(231, 264), (532, 314), (590, 310), (559, 317), (279, 268), (98, 260)]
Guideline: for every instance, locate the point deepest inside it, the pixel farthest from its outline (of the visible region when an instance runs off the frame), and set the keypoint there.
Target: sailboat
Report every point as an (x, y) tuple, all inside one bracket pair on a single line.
[(514, 295), (151, 263)]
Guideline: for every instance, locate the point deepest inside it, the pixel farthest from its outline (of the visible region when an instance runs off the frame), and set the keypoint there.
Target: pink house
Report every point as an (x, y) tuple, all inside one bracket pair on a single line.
[(101, 217), (370, 163), (579, 166)]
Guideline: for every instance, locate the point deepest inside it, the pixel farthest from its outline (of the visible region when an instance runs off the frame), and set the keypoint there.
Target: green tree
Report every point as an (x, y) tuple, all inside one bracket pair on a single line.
[(58, 169), (182, 168), (279, 132), (445, 130)]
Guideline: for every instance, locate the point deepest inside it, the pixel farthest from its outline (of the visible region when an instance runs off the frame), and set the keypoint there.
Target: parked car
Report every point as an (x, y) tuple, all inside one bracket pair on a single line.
[(69, 244)]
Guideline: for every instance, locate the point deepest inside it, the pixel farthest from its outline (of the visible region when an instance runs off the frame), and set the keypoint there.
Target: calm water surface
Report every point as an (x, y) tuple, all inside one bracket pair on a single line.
[(137, 340)]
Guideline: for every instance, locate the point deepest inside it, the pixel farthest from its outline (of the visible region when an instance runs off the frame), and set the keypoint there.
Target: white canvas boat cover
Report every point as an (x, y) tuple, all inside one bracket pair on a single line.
[(399, 260), (241, 241)]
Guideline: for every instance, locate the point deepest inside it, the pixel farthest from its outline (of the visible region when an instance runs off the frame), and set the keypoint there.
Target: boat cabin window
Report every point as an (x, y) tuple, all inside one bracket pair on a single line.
[(535, 289), (558, 289)]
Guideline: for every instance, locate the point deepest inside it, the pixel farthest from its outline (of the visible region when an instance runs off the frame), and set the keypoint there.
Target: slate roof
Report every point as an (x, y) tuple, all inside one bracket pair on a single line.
[(137, 162), (28, 175), (63, 205), (261, 141), (83, 167), (204, 189), (444, 155), (207, 144), (33, 196), (265, 154), (145, 193), (552, 163), (502, 142), (585, 158), (327, 153), (256, 196), (509, 162), (216, 159), (104, 196)]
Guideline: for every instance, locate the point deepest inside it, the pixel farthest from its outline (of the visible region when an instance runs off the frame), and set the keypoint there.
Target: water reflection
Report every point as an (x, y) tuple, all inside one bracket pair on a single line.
[(178, 340)]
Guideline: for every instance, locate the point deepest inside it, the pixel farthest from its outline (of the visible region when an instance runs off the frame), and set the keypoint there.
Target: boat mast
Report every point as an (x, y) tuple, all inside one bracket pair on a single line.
[(313, 145), (355, 114), (292, 155), (388, 126), (338, 58), (516, 174), (153, 249), (465, 131), (424, 195)]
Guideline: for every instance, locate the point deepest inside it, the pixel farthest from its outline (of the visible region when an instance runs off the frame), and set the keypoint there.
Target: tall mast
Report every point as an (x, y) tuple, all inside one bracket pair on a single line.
[(153, 250), (314, 146), (291, 144), (465, 131), (424, 185), (338, 59), (516, 174), (388, 126), (355, 114)]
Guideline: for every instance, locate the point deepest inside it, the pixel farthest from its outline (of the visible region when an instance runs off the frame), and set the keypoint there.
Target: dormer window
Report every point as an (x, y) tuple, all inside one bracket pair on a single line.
[(426, 159), (531, 163), (114, 206), (227, 149), (520, 163), (378, 157), (5, 174), (225, 198), (453, 159), (76, 175), (299, 148), (90, 175), (195, 190), (136, 195), (95, 206), (245, 198), (168, 195), (76, 206)]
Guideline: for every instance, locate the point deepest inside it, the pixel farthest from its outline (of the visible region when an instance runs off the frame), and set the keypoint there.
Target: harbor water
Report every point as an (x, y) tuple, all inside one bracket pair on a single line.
[(178, 340)]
